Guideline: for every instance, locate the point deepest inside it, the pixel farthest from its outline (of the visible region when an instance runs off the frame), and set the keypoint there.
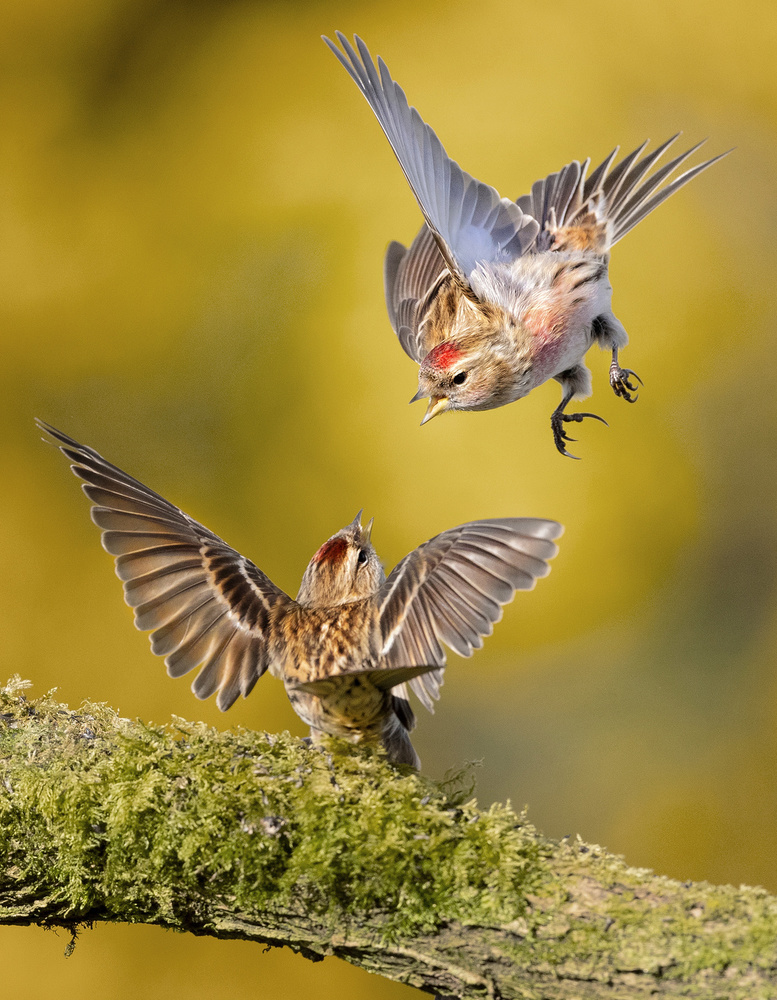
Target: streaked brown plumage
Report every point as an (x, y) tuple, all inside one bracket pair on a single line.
[(494, 297), (350, 643)]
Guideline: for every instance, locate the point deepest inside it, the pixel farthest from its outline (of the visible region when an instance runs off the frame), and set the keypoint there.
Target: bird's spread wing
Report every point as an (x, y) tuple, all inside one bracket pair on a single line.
[(470, 221), (412, 276), (576, 211), (451, 590), (206, 604)]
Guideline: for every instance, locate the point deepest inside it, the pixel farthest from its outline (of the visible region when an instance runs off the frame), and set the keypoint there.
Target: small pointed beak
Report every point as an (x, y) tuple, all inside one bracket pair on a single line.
[(437, 404), (356, 523), (421, 394)]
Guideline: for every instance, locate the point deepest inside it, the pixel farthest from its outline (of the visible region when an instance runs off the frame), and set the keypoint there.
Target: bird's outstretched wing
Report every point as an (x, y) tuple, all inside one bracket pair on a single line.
[(206, 604), (470, 221), (582, 212), (412, 277), (451, 590)]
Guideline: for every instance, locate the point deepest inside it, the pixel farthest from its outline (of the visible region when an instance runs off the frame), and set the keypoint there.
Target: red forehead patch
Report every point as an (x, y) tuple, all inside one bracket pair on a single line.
[(443, 356), (332, 551)]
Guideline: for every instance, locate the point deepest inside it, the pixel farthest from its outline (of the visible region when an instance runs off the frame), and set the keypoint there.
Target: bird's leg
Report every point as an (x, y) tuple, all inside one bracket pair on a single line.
[(609, 333), (576, 380), (619, 379)]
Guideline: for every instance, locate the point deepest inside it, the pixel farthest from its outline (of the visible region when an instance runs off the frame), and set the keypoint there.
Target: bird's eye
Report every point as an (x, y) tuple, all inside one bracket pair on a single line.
[(460, 378), (361, 559)]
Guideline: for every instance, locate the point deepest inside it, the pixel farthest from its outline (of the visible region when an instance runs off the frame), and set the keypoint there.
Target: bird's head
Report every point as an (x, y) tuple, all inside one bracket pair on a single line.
[(471, 373), (345, 569)]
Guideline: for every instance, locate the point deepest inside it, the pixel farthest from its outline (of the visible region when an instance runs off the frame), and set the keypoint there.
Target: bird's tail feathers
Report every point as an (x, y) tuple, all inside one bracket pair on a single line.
[(398, 747), (401, 704)]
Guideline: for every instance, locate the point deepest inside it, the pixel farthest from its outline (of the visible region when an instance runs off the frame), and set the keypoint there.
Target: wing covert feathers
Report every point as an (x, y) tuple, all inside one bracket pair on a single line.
[(204, 604)]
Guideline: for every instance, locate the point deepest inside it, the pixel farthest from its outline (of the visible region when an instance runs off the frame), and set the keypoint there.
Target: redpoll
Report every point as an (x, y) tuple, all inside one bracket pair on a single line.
[(495, 297), (349, 644)]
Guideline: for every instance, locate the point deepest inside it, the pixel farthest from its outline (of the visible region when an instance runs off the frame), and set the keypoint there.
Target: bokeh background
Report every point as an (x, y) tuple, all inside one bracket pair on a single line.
[(194, 205)]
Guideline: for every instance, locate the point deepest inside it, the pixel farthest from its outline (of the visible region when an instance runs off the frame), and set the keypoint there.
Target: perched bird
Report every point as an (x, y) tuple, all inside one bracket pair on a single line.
[(349, 643), (495, 297)]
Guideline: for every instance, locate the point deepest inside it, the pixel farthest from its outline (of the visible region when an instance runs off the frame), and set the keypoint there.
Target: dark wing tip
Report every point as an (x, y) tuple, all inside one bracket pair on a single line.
[(79, 454), (52, 432)]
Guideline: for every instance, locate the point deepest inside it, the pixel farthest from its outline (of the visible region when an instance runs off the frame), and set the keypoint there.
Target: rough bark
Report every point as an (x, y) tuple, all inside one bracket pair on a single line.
[(246, 835)]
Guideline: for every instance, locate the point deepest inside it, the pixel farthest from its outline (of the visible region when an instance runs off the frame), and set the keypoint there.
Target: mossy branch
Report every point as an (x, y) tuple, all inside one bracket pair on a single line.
[(246, 835)]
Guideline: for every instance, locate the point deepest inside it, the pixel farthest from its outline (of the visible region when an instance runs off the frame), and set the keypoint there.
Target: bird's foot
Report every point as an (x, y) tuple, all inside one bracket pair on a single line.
[(621, 384), (558, 419)]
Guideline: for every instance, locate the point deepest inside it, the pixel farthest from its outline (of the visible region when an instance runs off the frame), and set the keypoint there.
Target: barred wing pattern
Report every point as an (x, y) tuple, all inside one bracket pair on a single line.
[(451, 590), (206, 604), (623, 195), (412, 276), (469, 219)]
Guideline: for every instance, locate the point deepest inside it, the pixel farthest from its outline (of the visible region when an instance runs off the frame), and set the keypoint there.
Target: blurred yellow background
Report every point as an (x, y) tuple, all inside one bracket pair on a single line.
[(195, 204)]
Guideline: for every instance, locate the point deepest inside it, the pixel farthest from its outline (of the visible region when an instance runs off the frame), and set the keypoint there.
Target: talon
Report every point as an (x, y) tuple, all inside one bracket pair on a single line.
[(577, 417), (558, 419), (621, 384)]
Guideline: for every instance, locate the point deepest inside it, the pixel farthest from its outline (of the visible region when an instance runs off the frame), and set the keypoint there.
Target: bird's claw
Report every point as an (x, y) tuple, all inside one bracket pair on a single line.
[(621, 386), (560, 436)]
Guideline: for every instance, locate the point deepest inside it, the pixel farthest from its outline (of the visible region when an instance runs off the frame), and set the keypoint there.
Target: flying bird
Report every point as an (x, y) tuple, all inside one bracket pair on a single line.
[(494, 297), (351, 641)]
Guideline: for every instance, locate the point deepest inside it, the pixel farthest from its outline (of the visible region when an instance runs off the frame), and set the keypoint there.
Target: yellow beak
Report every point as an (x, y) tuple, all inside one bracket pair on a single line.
[(437, 404)]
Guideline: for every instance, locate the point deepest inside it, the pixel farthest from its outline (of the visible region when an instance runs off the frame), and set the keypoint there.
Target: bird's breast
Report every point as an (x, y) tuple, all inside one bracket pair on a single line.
[(316, 643), (559, 340), (558, 316)]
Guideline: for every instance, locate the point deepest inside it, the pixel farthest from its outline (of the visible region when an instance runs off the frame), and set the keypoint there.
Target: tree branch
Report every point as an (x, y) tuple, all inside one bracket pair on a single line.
[(247, 835)]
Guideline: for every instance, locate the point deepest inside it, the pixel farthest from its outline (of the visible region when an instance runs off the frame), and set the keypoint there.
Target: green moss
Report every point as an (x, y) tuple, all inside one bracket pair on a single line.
[(148, 821)]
